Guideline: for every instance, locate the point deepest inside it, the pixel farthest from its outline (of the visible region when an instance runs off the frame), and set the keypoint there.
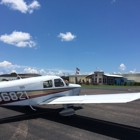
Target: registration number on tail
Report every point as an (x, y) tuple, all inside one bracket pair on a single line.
[(8, 96)]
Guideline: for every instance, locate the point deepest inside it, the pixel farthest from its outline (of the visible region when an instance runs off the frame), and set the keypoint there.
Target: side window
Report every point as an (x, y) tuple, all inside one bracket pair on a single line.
[(47, 84), (58, 83)]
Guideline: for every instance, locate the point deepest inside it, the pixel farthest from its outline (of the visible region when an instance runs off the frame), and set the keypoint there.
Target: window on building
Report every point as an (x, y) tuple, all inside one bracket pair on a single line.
[(95, 80), (47, 84), (58, 83), (112, 81), (100, 80), (108, 81)]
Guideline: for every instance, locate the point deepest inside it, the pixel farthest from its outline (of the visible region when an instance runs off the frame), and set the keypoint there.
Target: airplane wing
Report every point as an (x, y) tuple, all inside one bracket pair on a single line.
[(85, 99)]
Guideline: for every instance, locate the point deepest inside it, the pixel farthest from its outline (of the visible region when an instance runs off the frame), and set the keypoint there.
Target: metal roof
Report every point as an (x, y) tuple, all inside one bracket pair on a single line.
[(78, 75), (112, 75)]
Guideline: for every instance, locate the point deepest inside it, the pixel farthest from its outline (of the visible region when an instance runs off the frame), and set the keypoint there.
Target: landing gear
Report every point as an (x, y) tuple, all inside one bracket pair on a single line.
[(29, 108), (67, 111)]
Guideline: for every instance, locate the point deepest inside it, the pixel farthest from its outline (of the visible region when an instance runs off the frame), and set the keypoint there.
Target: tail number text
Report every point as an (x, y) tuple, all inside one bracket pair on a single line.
[(4, 96)]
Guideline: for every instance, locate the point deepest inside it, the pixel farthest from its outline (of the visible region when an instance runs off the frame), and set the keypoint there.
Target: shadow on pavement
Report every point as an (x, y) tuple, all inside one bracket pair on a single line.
[(106, 128)]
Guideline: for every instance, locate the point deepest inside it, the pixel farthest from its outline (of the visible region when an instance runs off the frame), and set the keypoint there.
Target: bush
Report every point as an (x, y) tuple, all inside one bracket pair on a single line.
[(87, 82), (79, 82), (83, 81)]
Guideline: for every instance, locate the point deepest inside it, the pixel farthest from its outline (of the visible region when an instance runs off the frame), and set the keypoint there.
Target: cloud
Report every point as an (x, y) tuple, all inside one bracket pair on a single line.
[(59, 72), (42, 72), (66, 37), (18, 39), (21, 5), (8, 65), (13, 71), (30, 70), (56, 70), (122, 67), (51, 73), (113, 1), (133, 71), (115, 73)]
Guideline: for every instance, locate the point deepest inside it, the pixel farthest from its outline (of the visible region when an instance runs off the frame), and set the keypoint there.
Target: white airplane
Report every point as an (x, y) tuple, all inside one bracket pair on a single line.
[(46, 90)]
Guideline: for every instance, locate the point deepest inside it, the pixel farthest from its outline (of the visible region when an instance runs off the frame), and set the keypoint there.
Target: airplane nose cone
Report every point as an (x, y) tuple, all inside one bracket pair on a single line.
[(77, 88), (74, 89), (77, 85)]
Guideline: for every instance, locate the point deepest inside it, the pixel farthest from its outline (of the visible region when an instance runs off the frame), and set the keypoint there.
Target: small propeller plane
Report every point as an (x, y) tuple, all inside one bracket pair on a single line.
[(44, 90)]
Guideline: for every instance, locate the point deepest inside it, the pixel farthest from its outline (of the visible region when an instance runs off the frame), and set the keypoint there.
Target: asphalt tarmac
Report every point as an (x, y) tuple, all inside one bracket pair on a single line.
[(90, 122)]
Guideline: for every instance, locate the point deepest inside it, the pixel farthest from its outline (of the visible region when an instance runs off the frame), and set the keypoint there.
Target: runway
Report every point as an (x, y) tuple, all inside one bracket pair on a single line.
[(91, 121)]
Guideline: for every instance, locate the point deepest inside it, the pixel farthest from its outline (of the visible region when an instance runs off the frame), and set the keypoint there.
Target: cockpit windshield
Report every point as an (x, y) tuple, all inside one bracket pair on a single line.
[(47, 84), (58, 83)]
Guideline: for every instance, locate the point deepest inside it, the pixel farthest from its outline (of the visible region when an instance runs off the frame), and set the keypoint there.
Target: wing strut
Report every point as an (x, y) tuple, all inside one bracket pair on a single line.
[(30, 102)]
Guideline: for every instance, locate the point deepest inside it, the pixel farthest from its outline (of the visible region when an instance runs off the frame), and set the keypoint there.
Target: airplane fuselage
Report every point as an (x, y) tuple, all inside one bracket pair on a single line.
[(33, 91), (46, 90)]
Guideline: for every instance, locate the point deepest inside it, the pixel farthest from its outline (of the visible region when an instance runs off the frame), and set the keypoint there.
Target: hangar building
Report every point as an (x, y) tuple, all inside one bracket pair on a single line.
[(132, 76), (100, 78), (14, 76)]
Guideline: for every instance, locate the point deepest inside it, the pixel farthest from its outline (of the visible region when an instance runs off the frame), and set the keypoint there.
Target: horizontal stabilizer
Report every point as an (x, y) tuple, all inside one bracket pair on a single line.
[(85, 99)]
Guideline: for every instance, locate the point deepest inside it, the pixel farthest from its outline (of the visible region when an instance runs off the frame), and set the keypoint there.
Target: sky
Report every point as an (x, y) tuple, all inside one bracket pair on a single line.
[(54, 37)]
